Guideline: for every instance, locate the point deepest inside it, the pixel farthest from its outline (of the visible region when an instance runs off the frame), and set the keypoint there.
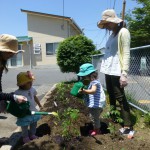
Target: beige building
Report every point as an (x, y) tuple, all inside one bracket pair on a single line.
[(22, 58), (45, 32)]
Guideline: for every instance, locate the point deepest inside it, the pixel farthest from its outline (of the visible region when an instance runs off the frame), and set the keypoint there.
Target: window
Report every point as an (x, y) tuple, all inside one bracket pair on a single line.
[(51, 48), (37, 48), (16, 60)]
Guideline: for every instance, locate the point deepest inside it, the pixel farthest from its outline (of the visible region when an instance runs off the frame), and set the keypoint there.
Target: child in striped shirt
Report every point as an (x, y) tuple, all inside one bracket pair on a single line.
[(94, 95)]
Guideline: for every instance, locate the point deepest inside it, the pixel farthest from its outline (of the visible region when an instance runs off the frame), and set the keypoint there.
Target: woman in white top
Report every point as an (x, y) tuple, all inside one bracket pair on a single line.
[(116, 63)]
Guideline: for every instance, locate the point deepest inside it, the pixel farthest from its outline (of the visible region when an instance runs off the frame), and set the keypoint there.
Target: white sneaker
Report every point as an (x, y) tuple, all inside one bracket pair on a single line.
[(131, 134), (125, 131), (122, 130)]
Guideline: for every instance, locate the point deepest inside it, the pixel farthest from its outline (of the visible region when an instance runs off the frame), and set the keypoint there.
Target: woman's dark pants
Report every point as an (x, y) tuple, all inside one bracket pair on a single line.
[(117, 93)]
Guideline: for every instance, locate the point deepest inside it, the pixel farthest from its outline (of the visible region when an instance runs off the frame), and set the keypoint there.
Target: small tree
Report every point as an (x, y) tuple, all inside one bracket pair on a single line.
[(139, 24), (73, 52)]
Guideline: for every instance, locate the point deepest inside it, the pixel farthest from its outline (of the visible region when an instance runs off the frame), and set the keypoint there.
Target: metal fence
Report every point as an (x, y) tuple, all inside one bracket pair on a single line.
[(138, 89)]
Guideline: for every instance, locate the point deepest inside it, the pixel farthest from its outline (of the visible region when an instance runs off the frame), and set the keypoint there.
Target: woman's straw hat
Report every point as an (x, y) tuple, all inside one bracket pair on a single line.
[(108, 15), (9, 43)]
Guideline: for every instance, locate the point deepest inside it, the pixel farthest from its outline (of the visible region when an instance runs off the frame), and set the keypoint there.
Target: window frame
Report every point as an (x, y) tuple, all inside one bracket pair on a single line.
[(53, 50)]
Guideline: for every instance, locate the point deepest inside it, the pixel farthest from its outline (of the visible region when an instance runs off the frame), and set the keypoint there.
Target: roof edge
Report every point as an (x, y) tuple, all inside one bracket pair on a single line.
[(55, 16)]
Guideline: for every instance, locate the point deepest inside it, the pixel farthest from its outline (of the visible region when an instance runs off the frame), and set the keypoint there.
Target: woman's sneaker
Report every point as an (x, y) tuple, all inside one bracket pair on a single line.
[(125, 131), (26, 140), (121, 130), (131, 134)]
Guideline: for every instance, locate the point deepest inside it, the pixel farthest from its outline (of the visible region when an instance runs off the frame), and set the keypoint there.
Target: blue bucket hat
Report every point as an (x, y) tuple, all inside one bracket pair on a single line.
[(86, 69)]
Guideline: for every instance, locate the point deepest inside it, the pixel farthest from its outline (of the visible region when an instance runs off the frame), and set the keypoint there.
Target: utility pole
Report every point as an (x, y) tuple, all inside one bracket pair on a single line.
[(30, 53), (62, 26), (123, 10)]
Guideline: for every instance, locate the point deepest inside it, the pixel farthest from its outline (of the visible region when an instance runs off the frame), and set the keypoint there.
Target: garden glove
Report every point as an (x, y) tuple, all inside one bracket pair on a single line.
[(123, 81), (20, 98)]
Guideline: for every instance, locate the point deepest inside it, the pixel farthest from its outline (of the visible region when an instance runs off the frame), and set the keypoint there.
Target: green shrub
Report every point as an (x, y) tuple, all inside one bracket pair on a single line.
[(147, 119), (73, 52)]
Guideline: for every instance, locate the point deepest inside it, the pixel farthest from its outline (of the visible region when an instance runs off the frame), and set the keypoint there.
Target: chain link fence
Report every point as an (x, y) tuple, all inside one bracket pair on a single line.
[(138, 89)]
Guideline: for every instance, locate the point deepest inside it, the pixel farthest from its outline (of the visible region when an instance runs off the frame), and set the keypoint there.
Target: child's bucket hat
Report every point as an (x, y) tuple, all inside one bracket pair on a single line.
[(108, 15), (9, 43), (86, 69), (24, 77)]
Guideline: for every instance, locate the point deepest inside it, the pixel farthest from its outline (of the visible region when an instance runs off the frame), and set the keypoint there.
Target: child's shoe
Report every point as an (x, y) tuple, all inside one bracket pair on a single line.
[(94, 132), (33, 137), (26, 140)]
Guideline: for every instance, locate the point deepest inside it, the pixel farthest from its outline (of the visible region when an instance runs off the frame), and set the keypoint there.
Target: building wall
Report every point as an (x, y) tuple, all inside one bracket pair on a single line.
[(28, 56), (44, 30), (73, 31)]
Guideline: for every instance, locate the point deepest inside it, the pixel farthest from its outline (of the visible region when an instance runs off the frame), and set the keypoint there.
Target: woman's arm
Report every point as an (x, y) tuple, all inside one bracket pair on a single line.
[(12, 97), (124, 50), (7, 96)]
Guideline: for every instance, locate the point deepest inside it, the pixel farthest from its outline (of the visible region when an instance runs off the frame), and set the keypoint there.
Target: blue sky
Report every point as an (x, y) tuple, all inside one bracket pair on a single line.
[(86, 14)]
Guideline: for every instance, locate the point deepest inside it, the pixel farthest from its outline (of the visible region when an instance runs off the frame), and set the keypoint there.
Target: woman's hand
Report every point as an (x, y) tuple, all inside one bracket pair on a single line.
[(20, 98), (123, 81)]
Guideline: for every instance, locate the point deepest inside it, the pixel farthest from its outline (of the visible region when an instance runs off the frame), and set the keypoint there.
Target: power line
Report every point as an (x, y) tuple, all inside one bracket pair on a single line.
[(107, 4), (114, 4), (104, 37), (62, 26), (110, 4), (63, 8), (91, 29)]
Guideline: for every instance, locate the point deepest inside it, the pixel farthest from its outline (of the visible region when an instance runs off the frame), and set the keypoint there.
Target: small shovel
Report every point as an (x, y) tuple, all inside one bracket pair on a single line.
[(44, 113)]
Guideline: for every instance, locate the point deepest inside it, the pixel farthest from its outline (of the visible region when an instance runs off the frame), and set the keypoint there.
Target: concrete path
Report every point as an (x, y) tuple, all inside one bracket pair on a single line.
[(46, 78)]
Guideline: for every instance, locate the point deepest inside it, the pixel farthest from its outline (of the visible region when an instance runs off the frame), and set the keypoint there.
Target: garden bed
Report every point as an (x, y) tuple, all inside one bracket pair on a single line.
[(69, 131)]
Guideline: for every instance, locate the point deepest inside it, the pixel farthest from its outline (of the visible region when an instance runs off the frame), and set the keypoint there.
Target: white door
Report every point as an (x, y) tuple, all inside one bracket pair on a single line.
[(16, 60)]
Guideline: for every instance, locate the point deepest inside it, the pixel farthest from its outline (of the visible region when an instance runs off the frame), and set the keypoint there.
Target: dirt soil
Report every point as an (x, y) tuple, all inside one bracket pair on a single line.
[(50, 129)]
